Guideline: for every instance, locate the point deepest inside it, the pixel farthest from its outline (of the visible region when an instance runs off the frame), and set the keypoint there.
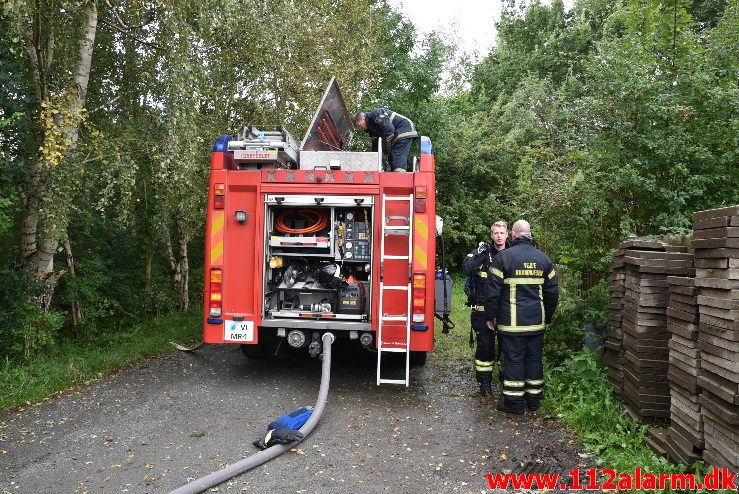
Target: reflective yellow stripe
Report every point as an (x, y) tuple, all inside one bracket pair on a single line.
[(481, 368), (524, 281), (541, 301), (514, 384), (552, 274), (216, 237), (535, 382), (482, 274), (533, 391), (513, 329), (512, 393), (420, 241), (480, 362), (497, 272), (514, 315), (469, 255), (268, 436)]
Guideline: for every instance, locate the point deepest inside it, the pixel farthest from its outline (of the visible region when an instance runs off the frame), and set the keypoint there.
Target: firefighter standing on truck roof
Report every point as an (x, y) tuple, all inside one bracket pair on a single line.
[(476, 266), (396, 131), (522, 297)]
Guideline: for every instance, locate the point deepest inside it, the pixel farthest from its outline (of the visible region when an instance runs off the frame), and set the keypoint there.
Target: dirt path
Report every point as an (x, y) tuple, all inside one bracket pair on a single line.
[(151, 427)]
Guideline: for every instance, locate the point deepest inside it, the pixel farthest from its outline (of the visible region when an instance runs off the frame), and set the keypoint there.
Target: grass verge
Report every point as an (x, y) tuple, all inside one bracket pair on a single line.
[(579, 396), (75, 362)]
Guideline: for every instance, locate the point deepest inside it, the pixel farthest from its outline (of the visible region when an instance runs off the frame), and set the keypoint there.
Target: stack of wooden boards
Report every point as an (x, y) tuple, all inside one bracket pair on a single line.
[(672, 349), (716, 243), (644, 325), (684, 440), (613, 348)]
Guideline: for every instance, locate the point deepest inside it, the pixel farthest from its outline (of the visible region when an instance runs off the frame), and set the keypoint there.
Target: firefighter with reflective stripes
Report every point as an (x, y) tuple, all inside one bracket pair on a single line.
[(396, 131), (476, 266), (522, 297)]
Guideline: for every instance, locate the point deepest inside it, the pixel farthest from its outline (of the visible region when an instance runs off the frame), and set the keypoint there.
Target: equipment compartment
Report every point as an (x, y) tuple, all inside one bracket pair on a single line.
[(318, 258)]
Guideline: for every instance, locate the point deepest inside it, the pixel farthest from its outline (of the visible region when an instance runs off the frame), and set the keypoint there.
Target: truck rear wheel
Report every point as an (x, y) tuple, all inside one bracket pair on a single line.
[(418, 358), (253, 351)]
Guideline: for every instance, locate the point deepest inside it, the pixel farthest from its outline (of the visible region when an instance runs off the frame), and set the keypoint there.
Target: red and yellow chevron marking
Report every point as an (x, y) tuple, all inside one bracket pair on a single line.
[(216, 237), (421, 242)]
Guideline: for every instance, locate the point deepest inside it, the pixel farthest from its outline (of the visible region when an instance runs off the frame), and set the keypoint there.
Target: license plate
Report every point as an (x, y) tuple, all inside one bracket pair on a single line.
[(238, 331)]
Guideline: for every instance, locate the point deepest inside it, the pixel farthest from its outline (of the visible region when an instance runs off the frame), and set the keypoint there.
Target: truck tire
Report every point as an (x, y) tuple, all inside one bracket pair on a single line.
[(418, 358), (253, 351)]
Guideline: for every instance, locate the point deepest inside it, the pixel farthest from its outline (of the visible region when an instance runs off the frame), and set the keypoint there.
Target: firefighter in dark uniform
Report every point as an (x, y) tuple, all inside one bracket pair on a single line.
[(396, 131), (475, 266), (522, 297)]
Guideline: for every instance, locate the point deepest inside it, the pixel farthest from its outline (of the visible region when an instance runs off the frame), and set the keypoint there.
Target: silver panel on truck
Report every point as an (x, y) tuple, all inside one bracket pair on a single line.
[(342, 160), (331, 128), (310, 200)]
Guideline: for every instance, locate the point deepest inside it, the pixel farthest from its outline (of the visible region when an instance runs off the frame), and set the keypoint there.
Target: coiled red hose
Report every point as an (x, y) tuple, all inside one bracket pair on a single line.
[(317, 216)]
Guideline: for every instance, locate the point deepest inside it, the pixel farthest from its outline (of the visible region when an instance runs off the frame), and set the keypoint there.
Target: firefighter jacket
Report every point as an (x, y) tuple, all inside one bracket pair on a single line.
[(384, 123), (523, 290), (476, 266)]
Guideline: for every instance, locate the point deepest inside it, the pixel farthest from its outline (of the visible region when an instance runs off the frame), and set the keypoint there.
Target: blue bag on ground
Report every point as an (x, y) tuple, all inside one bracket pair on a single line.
[(284, 430)]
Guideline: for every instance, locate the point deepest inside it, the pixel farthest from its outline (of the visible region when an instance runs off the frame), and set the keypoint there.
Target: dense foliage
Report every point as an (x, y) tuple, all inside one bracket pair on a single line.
[(580, 396), (613, 118), (594, 123)]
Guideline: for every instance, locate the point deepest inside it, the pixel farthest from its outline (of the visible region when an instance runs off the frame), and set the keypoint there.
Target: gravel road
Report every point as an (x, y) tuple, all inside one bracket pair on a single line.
[(153, 426)]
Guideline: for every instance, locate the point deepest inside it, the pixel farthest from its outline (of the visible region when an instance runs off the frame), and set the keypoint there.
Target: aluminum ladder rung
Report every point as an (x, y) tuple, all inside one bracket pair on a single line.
[(393, 381), (394, 318), (397, 231)]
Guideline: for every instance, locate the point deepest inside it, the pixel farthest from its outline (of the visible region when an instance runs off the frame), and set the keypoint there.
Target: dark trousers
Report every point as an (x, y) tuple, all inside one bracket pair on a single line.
[(399, 154), (485, 351), (523, 371)]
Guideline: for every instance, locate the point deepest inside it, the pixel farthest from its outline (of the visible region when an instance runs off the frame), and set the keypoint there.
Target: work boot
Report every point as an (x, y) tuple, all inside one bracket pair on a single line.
[(485, 380), (532, 406), (507, 408)]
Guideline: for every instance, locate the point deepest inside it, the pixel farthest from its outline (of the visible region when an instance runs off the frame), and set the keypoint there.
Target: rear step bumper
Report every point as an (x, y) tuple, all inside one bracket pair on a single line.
[(324, 325)]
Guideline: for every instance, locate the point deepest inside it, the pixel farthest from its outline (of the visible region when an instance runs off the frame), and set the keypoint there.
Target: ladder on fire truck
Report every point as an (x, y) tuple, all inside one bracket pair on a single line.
[(395, 326)]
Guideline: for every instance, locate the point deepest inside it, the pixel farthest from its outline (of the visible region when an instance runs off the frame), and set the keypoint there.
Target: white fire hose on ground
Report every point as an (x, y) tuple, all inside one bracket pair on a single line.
[(219, 476)]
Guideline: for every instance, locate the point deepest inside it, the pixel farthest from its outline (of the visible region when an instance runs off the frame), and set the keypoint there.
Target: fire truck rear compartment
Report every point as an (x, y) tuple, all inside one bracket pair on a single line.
[(318, 258)]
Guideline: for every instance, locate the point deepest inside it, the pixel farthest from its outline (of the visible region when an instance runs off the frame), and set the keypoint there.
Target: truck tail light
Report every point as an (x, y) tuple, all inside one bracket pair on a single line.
[(219, 196), (419, 297), (216, 277), (216, 296), (215, 305), (419, 204)]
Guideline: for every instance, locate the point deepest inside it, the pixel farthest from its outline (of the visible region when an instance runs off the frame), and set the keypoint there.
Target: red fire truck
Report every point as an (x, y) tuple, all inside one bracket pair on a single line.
[(305, 239)]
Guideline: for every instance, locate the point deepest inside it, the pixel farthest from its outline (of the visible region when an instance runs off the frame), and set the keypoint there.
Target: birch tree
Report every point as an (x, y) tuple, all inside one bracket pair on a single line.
[(59, 40)]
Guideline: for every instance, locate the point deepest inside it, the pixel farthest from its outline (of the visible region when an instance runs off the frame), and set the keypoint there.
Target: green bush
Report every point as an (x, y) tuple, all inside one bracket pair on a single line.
[(34, 330), (580, 397), (26, 329)]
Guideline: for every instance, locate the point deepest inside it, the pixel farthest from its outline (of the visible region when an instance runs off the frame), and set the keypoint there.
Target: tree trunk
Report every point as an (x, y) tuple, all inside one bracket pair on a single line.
[(60, 118), (174, 266), (75, 304), (179, 267), (148, 267), (184, 266)]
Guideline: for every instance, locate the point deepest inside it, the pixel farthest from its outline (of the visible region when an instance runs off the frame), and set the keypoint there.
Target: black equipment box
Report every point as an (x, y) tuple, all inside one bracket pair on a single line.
[(351, 299)]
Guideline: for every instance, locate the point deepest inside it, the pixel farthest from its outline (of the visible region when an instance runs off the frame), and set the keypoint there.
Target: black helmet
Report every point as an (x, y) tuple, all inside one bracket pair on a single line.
[(328, 276)]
